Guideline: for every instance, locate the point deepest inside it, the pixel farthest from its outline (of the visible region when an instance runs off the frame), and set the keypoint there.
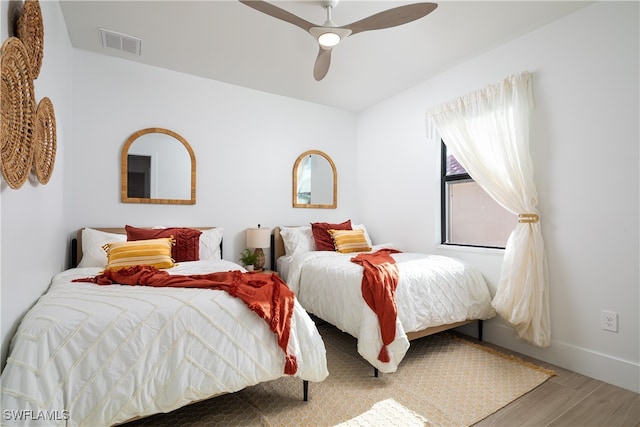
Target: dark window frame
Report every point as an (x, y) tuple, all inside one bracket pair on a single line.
[(445, 179)]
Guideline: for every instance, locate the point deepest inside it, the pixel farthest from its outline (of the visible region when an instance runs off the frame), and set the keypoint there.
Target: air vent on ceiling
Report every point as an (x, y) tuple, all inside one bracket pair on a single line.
[(120, 41)]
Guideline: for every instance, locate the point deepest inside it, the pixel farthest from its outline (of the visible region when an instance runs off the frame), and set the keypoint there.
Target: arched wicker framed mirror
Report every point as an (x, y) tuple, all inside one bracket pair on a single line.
[(315, 181), (158, 166)]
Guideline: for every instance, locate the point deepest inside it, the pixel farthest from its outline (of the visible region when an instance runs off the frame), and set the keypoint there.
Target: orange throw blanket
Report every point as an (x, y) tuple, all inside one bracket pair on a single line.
[(264, 293), (379, 283)]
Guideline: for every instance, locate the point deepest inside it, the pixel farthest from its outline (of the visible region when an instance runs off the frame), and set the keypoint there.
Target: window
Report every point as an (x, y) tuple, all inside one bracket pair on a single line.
[(470, 217)]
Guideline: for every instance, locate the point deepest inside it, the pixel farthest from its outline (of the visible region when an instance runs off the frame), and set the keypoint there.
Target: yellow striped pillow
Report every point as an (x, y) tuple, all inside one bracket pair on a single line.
[(346, 241), (153, 252)]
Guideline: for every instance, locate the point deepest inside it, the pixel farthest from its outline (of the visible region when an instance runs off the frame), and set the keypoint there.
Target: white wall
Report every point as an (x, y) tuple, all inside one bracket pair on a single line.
[(245, 143), (33, 220), (585, 139)]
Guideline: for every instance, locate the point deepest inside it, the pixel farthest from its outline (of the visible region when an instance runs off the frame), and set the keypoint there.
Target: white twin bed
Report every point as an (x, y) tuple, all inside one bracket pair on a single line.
[(434, 293), (101, 355)]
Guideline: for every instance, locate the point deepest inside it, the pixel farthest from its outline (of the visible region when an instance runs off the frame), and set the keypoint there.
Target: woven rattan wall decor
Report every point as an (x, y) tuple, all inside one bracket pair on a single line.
[(30, 30), (27, 134), (17, 109), (44, 144)]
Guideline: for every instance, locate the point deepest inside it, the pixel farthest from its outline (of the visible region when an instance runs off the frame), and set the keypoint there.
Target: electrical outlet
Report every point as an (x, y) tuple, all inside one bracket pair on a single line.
[(609, 320)]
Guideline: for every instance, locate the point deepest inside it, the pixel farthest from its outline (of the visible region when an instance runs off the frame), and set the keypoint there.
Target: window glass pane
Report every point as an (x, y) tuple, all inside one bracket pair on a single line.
[(453, 167), (474, 218)]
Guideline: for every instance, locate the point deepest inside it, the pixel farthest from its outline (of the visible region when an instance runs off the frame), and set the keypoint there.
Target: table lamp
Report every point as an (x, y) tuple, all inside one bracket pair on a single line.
[(258, 238)]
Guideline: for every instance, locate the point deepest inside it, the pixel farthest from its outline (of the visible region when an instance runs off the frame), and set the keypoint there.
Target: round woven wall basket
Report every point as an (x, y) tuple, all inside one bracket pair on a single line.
[(44, 143), (30, 30), (17, 112)]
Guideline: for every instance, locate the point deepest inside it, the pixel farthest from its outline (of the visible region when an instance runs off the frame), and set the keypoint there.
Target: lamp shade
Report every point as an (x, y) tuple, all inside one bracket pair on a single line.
[(258, 237)]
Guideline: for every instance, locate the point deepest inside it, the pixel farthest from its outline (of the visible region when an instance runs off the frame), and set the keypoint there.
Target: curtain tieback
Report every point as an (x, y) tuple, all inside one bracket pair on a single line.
[(530, 218)]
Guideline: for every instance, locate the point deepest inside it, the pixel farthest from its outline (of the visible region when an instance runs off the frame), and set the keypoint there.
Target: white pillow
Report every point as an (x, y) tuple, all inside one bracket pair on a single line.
[(297, 239), (210, 243), (362, 227), (92, 241)]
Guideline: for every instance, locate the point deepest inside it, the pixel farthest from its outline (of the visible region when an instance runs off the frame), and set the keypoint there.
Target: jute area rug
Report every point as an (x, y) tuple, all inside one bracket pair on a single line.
[(443, 381)]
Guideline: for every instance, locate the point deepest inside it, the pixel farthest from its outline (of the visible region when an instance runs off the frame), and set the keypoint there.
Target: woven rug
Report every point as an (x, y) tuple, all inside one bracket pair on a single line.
[(443, 381)]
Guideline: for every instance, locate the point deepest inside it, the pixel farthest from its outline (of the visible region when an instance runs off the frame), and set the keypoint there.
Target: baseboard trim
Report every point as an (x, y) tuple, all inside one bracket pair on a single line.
[(603, 367)]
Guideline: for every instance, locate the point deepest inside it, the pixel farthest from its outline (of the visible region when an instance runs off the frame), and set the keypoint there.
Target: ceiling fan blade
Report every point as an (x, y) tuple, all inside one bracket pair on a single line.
[(276, 12), (392, 17), (321, 67)]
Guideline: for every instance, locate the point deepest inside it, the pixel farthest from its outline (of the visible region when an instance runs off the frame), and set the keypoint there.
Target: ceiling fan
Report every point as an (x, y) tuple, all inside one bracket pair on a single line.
[(329, 34)]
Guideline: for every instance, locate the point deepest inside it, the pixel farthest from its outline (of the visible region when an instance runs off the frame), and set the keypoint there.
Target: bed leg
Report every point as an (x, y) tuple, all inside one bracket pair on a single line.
[(480, 329), (305, 390), (375, 372)]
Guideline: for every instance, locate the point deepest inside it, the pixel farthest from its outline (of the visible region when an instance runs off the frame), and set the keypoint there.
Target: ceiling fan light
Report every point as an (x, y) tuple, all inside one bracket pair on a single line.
[(328, 39)]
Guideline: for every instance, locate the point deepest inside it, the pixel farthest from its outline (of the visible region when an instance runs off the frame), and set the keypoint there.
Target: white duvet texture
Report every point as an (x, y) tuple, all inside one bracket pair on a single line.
[(101, 355), (432, 290)]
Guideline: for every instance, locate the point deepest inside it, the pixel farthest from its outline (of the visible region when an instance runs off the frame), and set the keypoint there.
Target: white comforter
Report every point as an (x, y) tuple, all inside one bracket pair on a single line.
[(432, 291), (99, 355)]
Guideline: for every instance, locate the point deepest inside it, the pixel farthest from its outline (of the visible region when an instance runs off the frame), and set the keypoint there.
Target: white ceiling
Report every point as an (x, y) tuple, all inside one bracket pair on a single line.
[(230, 42)]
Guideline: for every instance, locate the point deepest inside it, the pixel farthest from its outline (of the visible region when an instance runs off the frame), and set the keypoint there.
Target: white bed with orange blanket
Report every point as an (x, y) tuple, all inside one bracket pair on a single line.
[(87, 354), (434, 293)]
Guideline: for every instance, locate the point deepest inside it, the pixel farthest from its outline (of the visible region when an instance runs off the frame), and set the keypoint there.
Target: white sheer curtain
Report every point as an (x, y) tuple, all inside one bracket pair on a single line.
[(488, 133)]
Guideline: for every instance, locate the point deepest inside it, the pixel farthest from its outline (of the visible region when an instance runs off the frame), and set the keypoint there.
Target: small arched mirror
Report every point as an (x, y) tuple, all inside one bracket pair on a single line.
[(315, 181), (158, 166)]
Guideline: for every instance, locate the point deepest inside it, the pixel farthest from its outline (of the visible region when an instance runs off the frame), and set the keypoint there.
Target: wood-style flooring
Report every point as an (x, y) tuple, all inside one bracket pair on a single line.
[(568, 400)]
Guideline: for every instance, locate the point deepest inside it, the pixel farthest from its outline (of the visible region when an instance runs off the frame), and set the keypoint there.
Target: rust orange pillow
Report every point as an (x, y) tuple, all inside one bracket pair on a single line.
[(321, 235), (187, 246)]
